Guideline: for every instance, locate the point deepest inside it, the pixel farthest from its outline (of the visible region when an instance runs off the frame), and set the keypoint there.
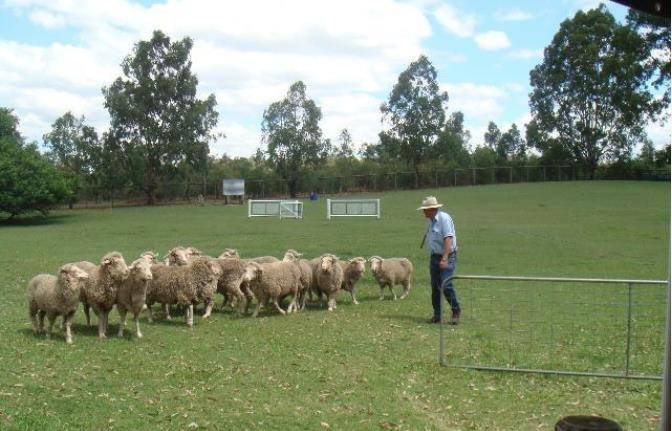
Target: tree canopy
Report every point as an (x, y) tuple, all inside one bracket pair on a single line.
[(416, 112), (292, 134), (591, 88), (155, 113)]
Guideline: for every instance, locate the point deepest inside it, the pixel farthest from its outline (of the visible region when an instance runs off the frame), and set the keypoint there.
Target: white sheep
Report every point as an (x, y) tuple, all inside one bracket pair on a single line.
[(230, 280), (329, 278), (182, 285), (133, 292), (55, 296), (306, 275), (272, 281), (100, 290), (150, 257), (391, 271), (353, 270)]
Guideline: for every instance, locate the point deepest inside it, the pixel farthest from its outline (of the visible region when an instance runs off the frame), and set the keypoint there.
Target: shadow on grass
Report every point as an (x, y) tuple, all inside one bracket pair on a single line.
[(35, 220), (406, 318)]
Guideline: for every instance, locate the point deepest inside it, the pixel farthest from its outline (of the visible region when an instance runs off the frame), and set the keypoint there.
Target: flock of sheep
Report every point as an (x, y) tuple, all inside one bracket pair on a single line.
[(186, 278)]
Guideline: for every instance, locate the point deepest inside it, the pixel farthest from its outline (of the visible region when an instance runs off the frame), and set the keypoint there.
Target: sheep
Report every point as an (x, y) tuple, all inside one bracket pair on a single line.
[(353, 270), (391, 271), (55, 295), (183, 285), (229, 253), (232, 253), (206, 291), (329, 278), (271, 281), (230, 280), (100, 290), (182, 255), (306, 275), (133, 292)]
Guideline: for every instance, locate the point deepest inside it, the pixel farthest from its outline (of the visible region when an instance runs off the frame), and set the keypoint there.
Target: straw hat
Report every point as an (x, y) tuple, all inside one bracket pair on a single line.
[(430, 202)]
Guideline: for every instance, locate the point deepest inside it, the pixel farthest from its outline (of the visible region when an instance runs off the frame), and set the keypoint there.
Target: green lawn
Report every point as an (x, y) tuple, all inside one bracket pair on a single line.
[(371, 366)]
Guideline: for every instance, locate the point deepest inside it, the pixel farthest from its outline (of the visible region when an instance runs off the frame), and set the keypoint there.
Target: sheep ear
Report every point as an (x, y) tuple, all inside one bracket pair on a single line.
[(107, 261)]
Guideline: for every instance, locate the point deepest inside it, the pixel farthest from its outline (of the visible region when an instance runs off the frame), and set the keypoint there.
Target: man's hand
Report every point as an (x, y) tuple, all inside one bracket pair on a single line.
[(444, 263)]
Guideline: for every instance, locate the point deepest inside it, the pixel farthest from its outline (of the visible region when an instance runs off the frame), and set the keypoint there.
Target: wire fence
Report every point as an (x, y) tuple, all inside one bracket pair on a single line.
[(273, 188), (590, 327)]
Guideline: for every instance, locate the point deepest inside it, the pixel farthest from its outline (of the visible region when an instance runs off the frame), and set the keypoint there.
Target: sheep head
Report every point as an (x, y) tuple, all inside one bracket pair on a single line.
[(177, 256), (376, 263), (141, 269), (253, 271), (229, 253), (115, 265), (327, 262), (192, 253), (149, 256), (291, 255), (358, 263), (71, 276)]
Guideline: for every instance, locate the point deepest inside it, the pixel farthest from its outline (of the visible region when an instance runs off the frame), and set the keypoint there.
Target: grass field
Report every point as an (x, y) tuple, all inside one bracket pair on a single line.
[(371, 366)]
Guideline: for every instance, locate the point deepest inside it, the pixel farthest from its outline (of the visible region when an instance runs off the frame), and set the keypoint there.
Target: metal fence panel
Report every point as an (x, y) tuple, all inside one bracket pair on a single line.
[(595, 327)]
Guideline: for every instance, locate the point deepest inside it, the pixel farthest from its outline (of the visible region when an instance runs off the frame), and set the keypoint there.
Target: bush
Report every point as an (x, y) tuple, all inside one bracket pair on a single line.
[(28, 182)]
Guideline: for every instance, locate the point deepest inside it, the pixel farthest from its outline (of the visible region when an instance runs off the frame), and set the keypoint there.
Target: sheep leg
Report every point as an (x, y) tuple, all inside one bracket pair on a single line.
[(87, 307), (102, 323), (352, 294), (32, 313), (208, 308), (52, 319), (136, 318), (407, 289), (149, 313), (259, 303), (331, 303), (41, 315), (292, 307), (278, 307), (394, 295), (190, 315), (382, 292), (166, 308), (67, 321), (122, 320)]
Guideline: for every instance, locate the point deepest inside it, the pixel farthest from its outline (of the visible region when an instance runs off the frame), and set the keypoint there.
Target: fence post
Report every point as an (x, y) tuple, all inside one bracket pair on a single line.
[(629, 331), (510, 174), (543, 169), (395, 180), (473, 176), (436, 178), (455, 178)]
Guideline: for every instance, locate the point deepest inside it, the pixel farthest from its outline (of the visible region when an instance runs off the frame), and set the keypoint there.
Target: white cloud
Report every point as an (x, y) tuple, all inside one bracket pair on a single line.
[(492, 40), (513, 15), (344, 52), (458, 23), (659, 133), (477, 102), (527, 54), (47, 19)]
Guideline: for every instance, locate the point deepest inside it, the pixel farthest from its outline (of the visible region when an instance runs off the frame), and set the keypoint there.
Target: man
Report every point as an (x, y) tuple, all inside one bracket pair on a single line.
[(441, 241)]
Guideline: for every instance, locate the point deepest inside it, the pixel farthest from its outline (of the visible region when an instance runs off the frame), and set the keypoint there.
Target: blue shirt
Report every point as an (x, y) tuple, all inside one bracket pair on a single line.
[(438, 228)]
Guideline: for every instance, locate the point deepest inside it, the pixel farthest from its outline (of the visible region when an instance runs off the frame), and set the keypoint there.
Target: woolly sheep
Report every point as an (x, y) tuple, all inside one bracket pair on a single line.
[(306, 275), (182, 255), (391, 271), (133, 292), (271, 281), (150, 257), (182, 285), (353, 270), (230, 280), (100, 290), (55, 296), (329, 278)]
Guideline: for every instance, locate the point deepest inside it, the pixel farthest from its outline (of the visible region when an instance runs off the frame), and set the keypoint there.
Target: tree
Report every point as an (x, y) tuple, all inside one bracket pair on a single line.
[(590, 90), (492, 136), (155, 113), (74, 148), (292, 134), (511, 145), (647, 153), (416, 113), (345, 150), (451, 146), (656, 33), (28, 182)]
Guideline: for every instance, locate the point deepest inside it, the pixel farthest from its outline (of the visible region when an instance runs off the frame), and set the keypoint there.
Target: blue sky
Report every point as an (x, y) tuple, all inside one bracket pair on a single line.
[(57, 55)]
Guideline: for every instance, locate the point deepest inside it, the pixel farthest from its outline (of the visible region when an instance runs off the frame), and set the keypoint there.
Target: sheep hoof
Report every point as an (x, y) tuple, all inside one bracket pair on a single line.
[(102, 336), (68, 341), (139, 335), (355, 302), (169, 318), (381, 298)]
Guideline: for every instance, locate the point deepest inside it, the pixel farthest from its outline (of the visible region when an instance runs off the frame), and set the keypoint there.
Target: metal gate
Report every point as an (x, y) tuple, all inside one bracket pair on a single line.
[(574, 326)]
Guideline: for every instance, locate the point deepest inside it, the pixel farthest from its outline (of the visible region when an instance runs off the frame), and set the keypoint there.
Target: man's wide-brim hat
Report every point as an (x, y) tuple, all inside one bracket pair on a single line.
[(430, 202)]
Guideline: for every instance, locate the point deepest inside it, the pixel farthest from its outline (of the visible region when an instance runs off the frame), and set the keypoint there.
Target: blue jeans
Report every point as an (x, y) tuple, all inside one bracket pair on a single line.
[(440, 279)]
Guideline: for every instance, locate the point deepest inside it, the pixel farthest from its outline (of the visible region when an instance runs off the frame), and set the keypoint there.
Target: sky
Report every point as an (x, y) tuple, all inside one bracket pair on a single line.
[(57, 55)]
